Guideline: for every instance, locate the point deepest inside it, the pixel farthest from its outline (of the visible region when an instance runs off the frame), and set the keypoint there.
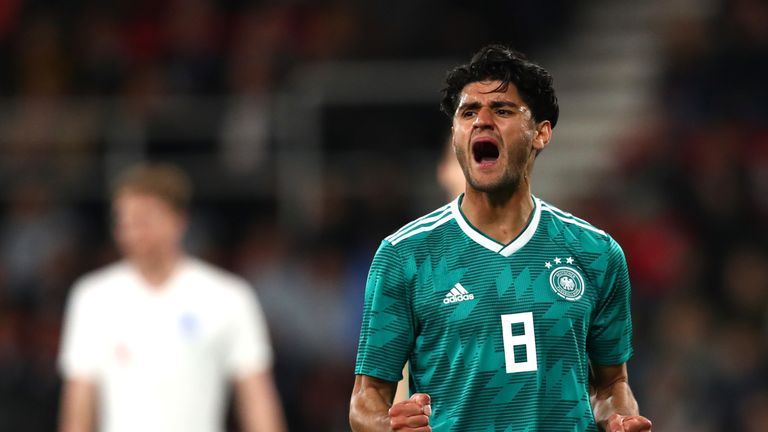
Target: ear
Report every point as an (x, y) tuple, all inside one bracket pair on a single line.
[(543, 135)]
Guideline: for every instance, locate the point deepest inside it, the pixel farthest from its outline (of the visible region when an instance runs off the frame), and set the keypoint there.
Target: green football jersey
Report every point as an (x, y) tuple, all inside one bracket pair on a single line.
[(500, 336)]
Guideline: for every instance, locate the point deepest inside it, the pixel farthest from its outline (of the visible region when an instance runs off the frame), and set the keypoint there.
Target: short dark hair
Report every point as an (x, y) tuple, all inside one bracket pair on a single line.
[(162, 180), (501, 63)]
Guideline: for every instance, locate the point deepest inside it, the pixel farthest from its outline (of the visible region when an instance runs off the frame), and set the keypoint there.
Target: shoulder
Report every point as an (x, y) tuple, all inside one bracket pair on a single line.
[(102, 278), (424, 225), (217, 280), (590, 237), (563, 219), (100, 285), (582, 238)]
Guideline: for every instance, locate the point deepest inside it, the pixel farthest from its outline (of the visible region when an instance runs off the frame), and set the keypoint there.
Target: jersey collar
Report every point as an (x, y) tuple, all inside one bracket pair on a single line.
[(483, 240)]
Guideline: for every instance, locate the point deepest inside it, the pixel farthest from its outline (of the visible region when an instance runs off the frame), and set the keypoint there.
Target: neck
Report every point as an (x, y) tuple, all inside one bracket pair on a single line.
[(158, 269), (501, 216)]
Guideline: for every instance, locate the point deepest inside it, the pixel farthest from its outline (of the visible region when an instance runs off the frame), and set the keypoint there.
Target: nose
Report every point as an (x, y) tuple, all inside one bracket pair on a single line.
[(484, 118)]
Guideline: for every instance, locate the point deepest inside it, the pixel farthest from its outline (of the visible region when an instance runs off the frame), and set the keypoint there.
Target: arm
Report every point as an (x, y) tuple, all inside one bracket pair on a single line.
[(258, 404), (78, 406), (387, 310), (370, 411), (613, 403), (610, 343), (371, 399), (80, 360)]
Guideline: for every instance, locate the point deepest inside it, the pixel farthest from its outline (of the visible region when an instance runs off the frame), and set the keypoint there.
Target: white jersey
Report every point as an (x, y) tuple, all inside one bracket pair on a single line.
[(161, 358)]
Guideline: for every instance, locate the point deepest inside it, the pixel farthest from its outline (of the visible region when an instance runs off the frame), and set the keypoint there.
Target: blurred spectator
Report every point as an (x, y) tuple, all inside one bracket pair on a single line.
[(9, 11), (44, 68), (259, 37), (301, 285), (680, 365), (193, 52), (745, 285), (101, 62), (35, 237), (754, 412)]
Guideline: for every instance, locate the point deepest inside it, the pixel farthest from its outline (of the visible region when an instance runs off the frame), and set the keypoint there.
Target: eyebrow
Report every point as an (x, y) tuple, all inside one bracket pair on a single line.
[(494, 104)]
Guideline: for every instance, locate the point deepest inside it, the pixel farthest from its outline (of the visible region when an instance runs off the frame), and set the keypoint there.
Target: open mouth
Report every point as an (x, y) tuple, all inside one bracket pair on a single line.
[(485, 152)]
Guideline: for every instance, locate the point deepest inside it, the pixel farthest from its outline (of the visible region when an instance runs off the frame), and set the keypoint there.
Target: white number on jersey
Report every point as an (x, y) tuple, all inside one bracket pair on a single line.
[(527, 339)]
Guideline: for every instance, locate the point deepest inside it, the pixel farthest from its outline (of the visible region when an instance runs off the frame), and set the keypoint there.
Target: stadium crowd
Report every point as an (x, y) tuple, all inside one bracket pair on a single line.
[(83, 83)]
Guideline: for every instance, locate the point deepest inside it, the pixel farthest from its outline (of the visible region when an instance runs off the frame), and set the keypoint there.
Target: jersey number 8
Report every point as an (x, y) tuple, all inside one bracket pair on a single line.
[(510, 324)]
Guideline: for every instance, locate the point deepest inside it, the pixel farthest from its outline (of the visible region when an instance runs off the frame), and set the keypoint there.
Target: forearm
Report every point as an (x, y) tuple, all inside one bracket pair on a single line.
[(369, 411), (259, 404), (78, 407), (616, 398)]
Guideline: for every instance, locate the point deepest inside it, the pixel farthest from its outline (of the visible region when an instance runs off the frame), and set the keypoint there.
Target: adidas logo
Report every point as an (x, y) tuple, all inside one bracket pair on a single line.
[(458, 294)]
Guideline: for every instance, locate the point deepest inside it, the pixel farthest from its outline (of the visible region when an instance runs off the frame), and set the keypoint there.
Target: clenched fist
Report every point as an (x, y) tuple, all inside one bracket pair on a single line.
[(411, 415)]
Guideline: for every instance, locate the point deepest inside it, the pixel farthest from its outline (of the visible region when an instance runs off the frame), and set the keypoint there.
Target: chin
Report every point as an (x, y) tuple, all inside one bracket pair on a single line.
[(500, 185), (139, 254)]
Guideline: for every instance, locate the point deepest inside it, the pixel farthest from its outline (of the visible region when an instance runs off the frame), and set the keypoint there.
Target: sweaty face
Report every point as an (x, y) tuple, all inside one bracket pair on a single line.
[(146, 227), (494, 136)]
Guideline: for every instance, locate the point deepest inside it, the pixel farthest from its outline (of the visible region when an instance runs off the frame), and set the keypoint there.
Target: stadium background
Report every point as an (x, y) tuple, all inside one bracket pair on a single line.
[(311, 130)]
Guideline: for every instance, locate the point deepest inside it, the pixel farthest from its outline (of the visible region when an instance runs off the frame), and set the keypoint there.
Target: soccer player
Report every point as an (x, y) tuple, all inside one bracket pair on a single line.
[(151, 342), (513, 315)]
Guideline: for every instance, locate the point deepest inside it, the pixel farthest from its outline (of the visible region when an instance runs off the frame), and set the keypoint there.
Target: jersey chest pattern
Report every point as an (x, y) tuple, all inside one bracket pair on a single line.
[(507, 332)]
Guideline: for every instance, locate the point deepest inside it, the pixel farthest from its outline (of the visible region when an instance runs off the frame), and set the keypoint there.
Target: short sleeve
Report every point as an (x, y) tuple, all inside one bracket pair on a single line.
[(248, 348), (81, 349), (387, 331), (610, 335)]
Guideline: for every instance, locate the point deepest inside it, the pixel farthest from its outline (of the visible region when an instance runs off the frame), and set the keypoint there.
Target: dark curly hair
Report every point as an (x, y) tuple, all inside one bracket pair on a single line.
[(500, 63)]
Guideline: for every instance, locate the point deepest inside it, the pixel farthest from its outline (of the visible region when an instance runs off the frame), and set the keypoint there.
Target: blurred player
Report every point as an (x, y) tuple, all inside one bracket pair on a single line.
[(151, 342), (504, 305)]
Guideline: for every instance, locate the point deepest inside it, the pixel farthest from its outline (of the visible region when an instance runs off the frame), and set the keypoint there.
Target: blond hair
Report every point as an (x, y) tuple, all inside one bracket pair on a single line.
[(162, 180)]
